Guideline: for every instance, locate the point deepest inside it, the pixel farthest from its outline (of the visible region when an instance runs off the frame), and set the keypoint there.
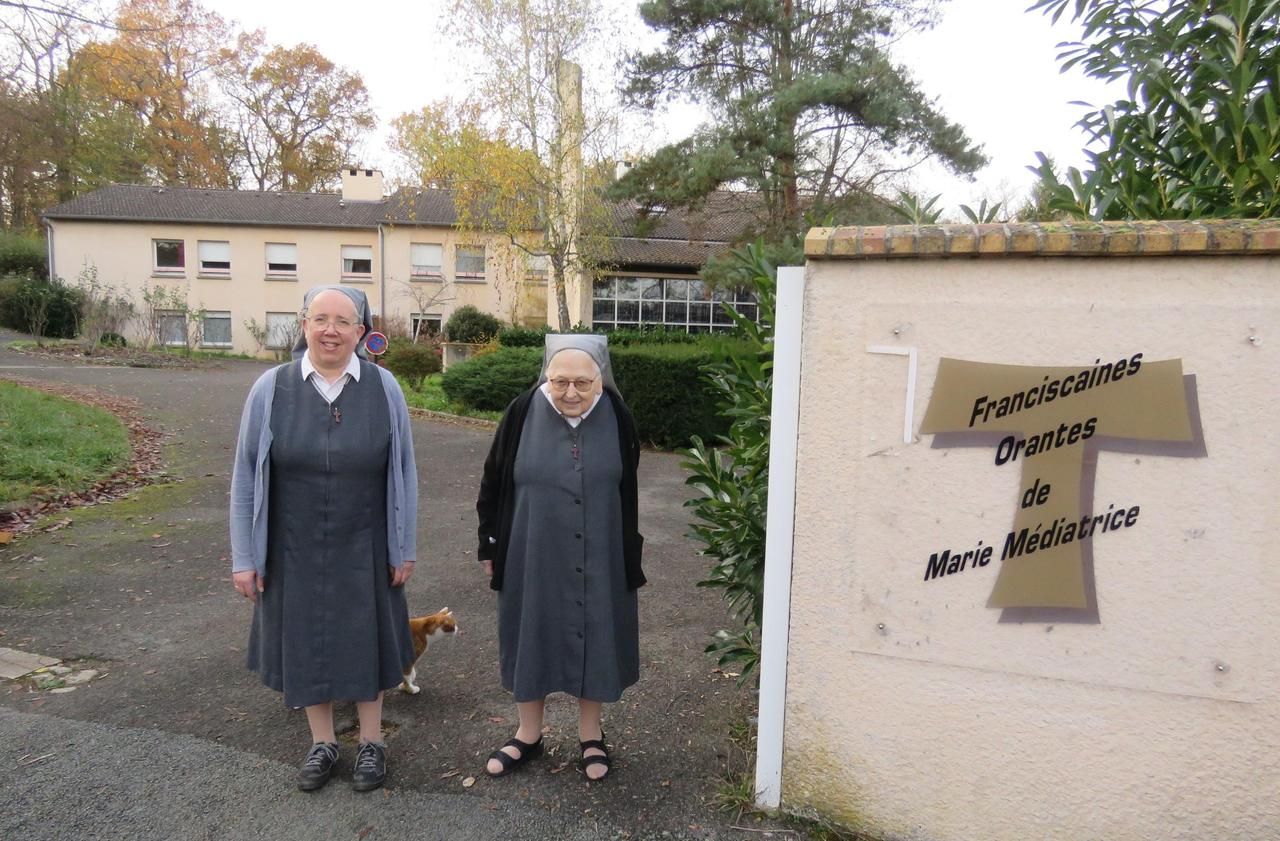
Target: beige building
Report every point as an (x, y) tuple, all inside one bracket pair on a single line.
[(242, 261)]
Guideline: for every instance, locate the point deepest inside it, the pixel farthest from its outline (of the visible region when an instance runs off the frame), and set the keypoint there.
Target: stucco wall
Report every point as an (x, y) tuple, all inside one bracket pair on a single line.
[(912, 710), (122, 254)]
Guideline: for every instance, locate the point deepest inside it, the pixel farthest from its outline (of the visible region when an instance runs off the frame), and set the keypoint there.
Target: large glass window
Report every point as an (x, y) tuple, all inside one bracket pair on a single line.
[(669, 302), (357, 261)]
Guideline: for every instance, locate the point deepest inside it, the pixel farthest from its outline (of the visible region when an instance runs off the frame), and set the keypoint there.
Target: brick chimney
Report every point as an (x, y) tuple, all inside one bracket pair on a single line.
[(362, 185)]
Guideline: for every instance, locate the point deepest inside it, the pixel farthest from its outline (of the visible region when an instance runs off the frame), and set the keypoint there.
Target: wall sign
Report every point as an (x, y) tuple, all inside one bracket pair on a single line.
[(1049, 423)]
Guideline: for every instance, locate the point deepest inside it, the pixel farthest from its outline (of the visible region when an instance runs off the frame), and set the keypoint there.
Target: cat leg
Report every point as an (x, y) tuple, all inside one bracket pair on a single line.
[(408, 685)]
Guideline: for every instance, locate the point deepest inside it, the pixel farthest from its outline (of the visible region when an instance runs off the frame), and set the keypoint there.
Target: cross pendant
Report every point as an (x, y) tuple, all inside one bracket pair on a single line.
[(337, 415)]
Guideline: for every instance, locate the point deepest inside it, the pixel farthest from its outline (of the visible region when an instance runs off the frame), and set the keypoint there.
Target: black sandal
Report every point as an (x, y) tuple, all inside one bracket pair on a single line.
[(511, 763), (595, 759)]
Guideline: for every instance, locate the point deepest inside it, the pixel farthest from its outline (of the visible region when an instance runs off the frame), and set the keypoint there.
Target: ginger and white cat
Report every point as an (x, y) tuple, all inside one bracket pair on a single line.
[(424, 629)]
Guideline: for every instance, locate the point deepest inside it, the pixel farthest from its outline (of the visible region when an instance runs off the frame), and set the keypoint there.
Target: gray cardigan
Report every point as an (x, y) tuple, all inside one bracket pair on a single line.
[(251, 475)]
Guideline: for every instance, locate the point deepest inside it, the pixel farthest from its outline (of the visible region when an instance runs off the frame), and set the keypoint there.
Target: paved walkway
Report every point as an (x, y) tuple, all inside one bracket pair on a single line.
[(175, 739)]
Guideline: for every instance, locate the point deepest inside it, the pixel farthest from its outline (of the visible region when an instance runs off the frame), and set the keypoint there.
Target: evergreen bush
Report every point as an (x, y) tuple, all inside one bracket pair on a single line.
[(664, 386), (523, 336), (113, 340), (468, 324), (23, 255), (491, 381), (412, 362), (36, 305)]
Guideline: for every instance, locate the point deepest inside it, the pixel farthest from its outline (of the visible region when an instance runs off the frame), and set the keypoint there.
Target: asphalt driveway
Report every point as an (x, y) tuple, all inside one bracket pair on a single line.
[(175, 739)]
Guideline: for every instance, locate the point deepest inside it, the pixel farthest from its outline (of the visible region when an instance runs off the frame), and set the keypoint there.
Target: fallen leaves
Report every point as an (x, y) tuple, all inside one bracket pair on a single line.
[(468, 782)]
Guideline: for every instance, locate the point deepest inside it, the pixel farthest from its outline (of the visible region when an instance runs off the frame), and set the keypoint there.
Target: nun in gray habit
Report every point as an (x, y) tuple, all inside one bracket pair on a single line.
[(559, 539), (323, 513)]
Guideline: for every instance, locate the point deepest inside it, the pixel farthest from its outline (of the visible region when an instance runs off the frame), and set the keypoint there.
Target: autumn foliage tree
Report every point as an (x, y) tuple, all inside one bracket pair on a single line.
[(299, 116), (166, 92)]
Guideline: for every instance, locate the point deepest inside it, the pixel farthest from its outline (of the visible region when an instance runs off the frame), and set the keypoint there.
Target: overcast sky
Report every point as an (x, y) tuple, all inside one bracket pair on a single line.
[(989, 64)]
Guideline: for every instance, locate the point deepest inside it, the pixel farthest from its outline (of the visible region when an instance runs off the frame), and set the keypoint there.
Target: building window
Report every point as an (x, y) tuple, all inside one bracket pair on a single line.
[(216, 331), (424, 325), (282, 259), (170, 256), (172, 328), (282, 330), (215, 257), (538, 266), (426, 260), (673, 303), (469, 261), (357, 261)]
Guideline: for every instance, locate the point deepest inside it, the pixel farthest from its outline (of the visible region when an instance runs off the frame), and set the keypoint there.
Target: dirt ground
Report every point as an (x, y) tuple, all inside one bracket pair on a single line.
[(140, 590)]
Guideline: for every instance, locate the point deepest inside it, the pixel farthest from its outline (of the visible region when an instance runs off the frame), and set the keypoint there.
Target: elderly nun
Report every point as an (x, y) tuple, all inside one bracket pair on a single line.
[(323, 531), (560, 542)]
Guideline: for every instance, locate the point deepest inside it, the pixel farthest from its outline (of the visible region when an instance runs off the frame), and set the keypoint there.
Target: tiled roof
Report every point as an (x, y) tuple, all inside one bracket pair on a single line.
[(661, 252), (684, 238), (135, 203)]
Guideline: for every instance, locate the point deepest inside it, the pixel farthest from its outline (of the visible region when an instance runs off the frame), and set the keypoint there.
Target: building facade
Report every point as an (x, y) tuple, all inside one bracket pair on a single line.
[(227, 269)]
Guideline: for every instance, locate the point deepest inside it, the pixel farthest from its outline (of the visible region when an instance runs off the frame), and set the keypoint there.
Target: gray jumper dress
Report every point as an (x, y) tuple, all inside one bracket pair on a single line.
[(566, 620), (329, 626)]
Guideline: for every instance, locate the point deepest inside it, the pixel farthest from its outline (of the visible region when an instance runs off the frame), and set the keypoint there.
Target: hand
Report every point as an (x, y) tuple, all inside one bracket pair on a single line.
[(488, 568), (248, 584), (399, 575)]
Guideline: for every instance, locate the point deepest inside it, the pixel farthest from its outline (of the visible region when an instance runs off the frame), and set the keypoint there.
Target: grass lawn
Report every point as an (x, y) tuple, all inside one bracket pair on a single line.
[(433, 398), (50, 446)]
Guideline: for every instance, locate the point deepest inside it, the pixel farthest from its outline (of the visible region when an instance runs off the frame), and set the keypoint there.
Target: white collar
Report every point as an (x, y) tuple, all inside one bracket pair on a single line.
[(353, 367)]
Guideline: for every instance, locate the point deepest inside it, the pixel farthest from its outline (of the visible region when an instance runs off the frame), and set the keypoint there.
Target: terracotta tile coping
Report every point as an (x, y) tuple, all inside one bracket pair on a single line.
[(1049, 239)]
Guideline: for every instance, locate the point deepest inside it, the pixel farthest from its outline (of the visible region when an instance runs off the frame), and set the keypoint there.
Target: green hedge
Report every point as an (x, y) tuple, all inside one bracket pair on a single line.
[(17, 295), (491, 381), (23, 255), (412, 362), (663, 385)]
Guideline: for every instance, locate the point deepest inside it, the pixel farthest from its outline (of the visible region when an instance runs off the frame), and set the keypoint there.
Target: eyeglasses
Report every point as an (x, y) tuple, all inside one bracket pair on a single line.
[(324, 322), (581, 384)]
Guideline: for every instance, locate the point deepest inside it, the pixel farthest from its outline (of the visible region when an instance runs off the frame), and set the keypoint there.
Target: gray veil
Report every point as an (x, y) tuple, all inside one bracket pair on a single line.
[(592, 343)]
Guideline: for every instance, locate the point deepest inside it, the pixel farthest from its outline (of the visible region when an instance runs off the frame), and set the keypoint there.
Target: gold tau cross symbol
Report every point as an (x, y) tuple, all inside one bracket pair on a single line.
[(1052, 421)]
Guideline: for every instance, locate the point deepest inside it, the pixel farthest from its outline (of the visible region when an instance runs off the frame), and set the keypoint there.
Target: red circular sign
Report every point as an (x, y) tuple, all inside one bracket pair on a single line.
[(376, 343)]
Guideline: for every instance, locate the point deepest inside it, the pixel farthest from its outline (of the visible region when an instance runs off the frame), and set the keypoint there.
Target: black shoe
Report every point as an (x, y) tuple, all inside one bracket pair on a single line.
[(371, 767), (318, 765)]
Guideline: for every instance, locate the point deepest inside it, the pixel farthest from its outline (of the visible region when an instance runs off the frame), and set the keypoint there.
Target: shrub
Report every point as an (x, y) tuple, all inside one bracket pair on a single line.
[(412, 362), (666, 390), (468, 324), (523, 336), (733, 476), (654, 336), (664, 386), (23, 255), (40, 307), (112, 340), (491, 381)]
